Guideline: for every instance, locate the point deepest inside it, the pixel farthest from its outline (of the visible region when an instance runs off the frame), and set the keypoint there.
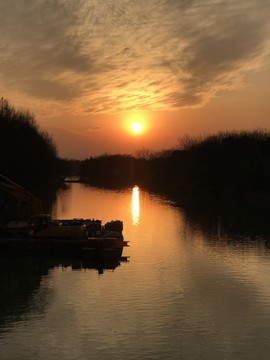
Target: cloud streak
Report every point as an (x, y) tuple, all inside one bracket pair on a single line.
[(110, 56)]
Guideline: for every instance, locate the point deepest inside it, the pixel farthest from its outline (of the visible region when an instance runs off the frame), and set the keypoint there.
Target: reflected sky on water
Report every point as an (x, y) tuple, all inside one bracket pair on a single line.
[(193, 289)]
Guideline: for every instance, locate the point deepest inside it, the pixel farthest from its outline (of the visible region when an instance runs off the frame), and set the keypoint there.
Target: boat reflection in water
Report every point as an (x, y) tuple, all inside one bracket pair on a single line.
[(109, 263), (22, 273), (77, 263), (48, 261)]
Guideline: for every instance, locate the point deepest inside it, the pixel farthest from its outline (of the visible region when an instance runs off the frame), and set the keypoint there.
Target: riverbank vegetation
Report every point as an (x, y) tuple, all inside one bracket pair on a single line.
[(225, 169), (28, 155)]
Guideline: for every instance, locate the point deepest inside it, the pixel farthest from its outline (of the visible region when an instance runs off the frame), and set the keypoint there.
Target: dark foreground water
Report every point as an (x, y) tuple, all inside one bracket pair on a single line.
[(191, 289)]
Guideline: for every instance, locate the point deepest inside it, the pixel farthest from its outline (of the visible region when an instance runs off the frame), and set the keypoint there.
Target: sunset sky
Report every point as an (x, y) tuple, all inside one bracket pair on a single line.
[(87, 70)]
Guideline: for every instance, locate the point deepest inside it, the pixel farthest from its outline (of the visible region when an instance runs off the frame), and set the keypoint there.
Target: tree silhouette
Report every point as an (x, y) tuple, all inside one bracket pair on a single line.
[(26, 153)]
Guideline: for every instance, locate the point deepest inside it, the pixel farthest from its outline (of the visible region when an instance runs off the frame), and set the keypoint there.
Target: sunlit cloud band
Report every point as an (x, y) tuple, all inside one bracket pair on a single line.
[(112, 56)]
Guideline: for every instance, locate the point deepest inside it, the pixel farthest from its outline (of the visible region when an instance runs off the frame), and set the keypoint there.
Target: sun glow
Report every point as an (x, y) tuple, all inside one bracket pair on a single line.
[(136, 125)]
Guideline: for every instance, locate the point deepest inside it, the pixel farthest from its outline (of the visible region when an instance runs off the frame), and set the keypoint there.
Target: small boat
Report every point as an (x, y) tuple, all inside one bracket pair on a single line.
[(85, 236)]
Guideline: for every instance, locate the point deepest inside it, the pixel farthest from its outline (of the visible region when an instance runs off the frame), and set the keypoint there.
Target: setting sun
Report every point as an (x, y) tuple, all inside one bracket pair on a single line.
[(136, 127), (136, 124)]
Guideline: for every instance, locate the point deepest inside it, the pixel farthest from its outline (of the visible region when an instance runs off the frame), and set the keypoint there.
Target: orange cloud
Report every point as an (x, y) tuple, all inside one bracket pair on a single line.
[(113, 56)]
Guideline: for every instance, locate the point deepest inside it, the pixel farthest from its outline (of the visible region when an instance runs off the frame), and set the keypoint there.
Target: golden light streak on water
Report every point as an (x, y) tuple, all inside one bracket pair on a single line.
[(136, 205)]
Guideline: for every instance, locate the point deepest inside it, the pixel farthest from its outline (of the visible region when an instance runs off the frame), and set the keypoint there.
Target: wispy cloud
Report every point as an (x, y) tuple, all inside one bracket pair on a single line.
[(110, 56)]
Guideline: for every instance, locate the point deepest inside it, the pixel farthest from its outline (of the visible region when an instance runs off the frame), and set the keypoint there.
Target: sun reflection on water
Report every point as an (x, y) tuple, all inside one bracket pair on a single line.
[(136, 205)]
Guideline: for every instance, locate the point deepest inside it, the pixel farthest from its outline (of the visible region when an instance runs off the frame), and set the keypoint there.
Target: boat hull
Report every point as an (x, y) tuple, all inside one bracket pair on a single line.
[(91, 246)]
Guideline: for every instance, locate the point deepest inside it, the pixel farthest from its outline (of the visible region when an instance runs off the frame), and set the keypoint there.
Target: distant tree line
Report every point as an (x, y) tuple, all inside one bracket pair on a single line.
[(222, 168), (113, 171)]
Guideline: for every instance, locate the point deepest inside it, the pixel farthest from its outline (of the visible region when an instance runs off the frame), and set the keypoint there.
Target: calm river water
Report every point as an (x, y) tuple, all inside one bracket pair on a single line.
[(192, 289)]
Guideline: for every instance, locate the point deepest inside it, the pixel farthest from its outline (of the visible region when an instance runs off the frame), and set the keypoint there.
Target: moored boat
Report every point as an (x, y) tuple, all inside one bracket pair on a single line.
[(86, 236), (41, 233)]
